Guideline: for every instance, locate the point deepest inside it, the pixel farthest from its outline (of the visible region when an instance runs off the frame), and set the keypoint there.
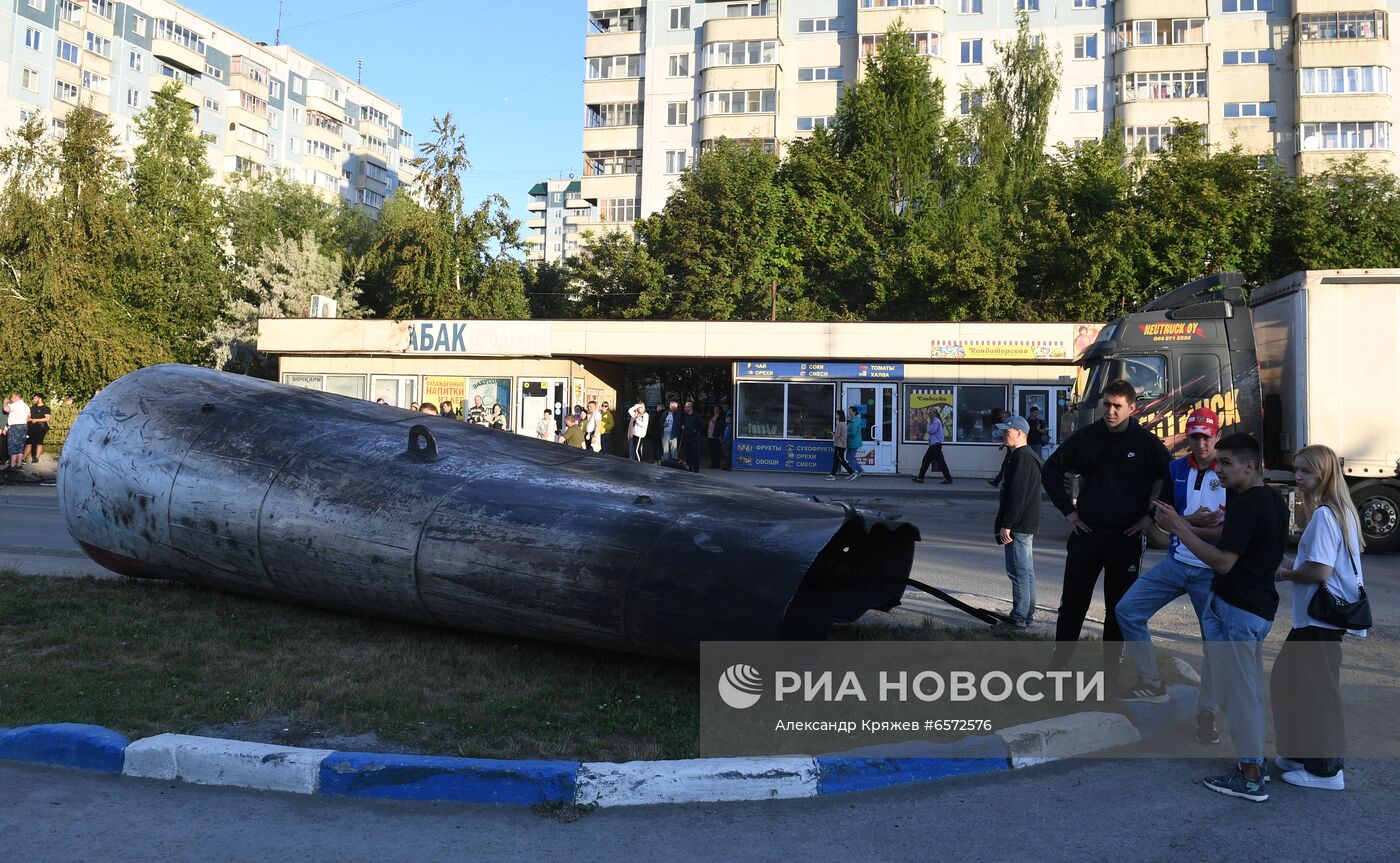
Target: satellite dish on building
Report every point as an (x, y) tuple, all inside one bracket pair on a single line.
[(322, 306)]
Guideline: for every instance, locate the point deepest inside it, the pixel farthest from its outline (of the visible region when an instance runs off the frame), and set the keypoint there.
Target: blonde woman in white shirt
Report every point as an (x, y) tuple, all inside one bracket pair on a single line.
[(1306, 680)]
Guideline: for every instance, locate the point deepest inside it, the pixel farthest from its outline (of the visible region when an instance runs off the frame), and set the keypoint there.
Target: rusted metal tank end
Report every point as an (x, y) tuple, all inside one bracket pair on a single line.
[(863, 567)]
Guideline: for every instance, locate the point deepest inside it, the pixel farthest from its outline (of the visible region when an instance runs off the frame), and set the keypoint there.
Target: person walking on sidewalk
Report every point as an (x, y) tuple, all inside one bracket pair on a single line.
[(838, 447), (855, 424), (934, 453), (1018, 518), (1120, 465), (1242, 603), (1306, 680), (1198, 494), (637, 429)]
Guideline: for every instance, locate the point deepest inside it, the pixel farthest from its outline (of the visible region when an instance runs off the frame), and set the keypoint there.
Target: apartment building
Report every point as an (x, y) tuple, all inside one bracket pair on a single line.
[(557, 211), (1308, 80), (261, 108)]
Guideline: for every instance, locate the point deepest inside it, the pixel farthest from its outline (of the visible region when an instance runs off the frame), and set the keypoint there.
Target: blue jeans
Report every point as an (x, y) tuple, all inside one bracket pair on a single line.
[(1020, 568), (1153, 591), (1234, 649)]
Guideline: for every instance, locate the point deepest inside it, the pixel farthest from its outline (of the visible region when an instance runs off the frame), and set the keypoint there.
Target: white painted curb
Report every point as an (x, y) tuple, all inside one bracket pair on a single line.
[(699, 780), (1067, 736), (210, 761)]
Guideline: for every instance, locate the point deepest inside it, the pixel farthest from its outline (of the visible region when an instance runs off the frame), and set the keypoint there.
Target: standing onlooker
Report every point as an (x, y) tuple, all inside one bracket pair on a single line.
[(16, 427), (838, 447), (477, 414), (428, 408), (606, 434), (637, 432), (726, 446), (545, 428), (692, 432), (1242, 603), (934, 453), (1119, 464), (1018, 518), (670, 430), (573, 432), (446, 410), (715, 433), (1040, 431), (593, 428), (855, 424), (1198, 494), (1306, 681), (497, 419), (654, 448), (38, 428)]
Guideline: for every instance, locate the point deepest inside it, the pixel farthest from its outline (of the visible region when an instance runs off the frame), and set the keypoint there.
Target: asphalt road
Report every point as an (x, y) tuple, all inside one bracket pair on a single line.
[(1089, 809)]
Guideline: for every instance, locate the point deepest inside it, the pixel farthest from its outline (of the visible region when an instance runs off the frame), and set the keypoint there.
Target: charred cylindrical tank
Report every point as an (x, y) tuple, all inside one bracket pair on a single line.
[(244, 485)]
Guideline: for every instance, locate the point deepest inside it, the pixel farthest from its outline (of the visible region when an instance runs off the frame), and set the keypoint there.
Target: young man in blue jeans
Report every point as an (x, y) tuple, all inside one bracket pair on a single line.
[(1197, 494), (1242, 602), (1018, 518)]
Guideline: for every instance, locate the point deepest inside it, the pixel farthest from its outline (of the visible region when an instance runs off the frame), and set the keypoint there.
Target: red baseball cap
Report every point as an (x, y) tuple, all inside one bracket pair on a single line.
[(1203, 421)]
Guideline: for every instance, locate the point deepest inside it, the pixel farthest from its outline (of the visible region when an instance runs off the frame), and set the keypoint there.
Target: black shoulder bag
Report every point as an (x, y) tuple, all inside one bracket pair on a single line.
[(1333, 610)]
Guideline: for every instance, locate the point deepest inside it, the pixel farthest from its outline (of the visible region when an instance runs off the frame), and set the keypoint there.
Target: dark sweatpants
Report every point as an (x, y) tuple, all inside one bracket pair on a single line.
[(1087, 554), (934, 455), (1306, 686)]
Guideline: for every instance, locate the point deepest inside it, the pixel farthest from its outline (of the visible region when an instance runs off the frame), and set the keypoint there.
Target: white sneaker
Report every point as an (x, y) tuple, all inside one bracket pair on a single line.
[(1287, 765), (854, 477), (1304, 779), (831, 477)]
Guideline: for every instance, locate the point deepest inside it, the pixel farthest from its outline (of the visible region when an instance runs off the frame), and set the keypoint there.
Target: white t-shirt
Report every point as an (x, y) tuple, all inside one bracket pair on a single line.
[(1210, 495), (1322, 543), (18, 412)]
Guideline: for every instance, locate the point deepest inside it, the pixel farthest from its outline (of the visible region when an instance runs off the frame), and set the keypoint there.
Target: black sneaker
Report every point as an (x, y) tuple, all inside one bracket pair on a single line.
[(1143, 691), (1238, 785), (1206, 732)]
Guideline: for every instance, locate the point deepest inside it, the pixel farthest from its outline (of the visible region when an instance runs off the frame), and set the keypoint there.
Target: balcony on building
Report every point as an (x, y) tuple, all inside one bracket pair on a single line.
[(324, 97), (539, 198), (573, 197), (877, 16), (1157, 44), (1355, 38), (178, 45), (740, 65), (741, 22)]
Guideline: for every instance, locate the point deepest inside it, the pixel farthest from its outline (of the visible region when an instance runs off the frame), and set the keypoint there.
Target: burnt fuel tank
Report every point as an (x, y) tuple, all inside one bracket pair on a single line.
[(237, 484)]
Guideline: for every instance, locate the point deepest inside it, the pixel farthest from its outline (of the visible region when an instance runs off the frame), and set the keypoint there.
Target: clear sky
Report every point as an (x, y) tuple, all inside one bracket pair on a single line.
[(509, 71)]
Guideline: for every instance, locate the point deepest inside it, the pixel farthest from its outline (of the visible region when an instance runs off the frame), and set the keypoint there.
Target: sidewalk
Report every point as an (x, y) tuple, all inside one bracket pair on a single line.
[(868, 484)]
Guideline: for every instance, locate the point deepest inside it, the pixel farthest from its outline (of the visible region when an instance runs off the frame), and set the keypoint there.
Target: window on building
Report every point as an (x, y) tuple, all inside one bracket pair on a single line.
[(607, 162), (71, 11), (32, 39), (30, 80), (801, 411), (820, 73), (970, 51), (973, 410), (41, 5), (609, 114), (747, 10), (618, 210), (133, 98), (1250, 109), (137, 61), (753, 53), (1150, 138), (1027, 5), (274, 89), (677, 161), (1086, 46), (211, 104), (249, 102), (95, 82), (1247, 6), (616, 20), (739, 102), (378, 173), (1144, 86), (99, 46), (680, 17), (970, 7), (1344, 80), (369, 198), (138, 24), (809, 124), (971, 100), (925, 44), (298, 86), (1086, 4), (65, 92), (1262, 56), (103, 8), (1342, 25), (1344, 136), (677, 113), (1159, 31), (678, 66), (67, 52), (1086, 98), (820, 25), (374, 115), (172, 32)]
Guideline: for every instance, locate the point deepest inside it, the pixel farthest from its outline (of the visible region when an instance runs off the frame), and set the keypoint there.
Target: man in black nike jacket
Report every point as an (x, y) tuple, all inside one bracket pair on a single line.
[(1122, 467)]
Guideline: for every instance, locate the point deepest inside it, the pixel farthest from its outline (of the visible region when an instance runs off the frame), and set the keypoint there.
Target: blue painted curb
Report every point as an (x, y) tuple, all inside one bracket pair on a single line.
[(841, 774), (67, 744), (466, 780)]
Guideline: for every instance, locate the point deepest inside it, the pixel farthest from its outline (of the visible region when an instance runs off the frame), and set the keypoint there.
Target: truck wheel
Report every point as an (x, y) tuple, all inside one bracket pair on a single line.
[(1379, 506)]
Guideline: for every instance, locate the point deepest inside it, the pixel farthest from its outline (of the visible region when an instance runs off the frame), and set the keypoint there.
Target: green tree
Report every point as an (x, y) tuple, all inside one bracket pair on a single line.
[(178, 272), (609, 275), (717, 239), (1346, 216), (550, 291), (280, 285)]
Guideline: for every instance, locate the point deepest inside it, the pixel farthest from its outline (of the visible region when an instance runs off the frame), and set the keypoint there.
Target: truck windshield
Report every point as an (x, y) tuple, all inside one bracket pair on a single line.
[(1147, 374)]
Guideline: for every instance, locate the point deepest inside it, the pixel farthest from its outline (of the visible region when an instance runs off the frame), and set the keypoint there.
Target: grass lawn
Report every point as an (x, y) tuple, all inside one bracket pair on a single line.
[(145, 657)]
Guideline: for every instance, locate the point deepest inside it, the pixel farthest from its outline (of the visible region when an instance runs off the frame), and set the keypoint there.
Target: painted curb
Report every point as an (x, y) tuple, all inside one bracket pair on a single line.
[(467, 780), (696, 780), (210, 761), (67, 744)]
